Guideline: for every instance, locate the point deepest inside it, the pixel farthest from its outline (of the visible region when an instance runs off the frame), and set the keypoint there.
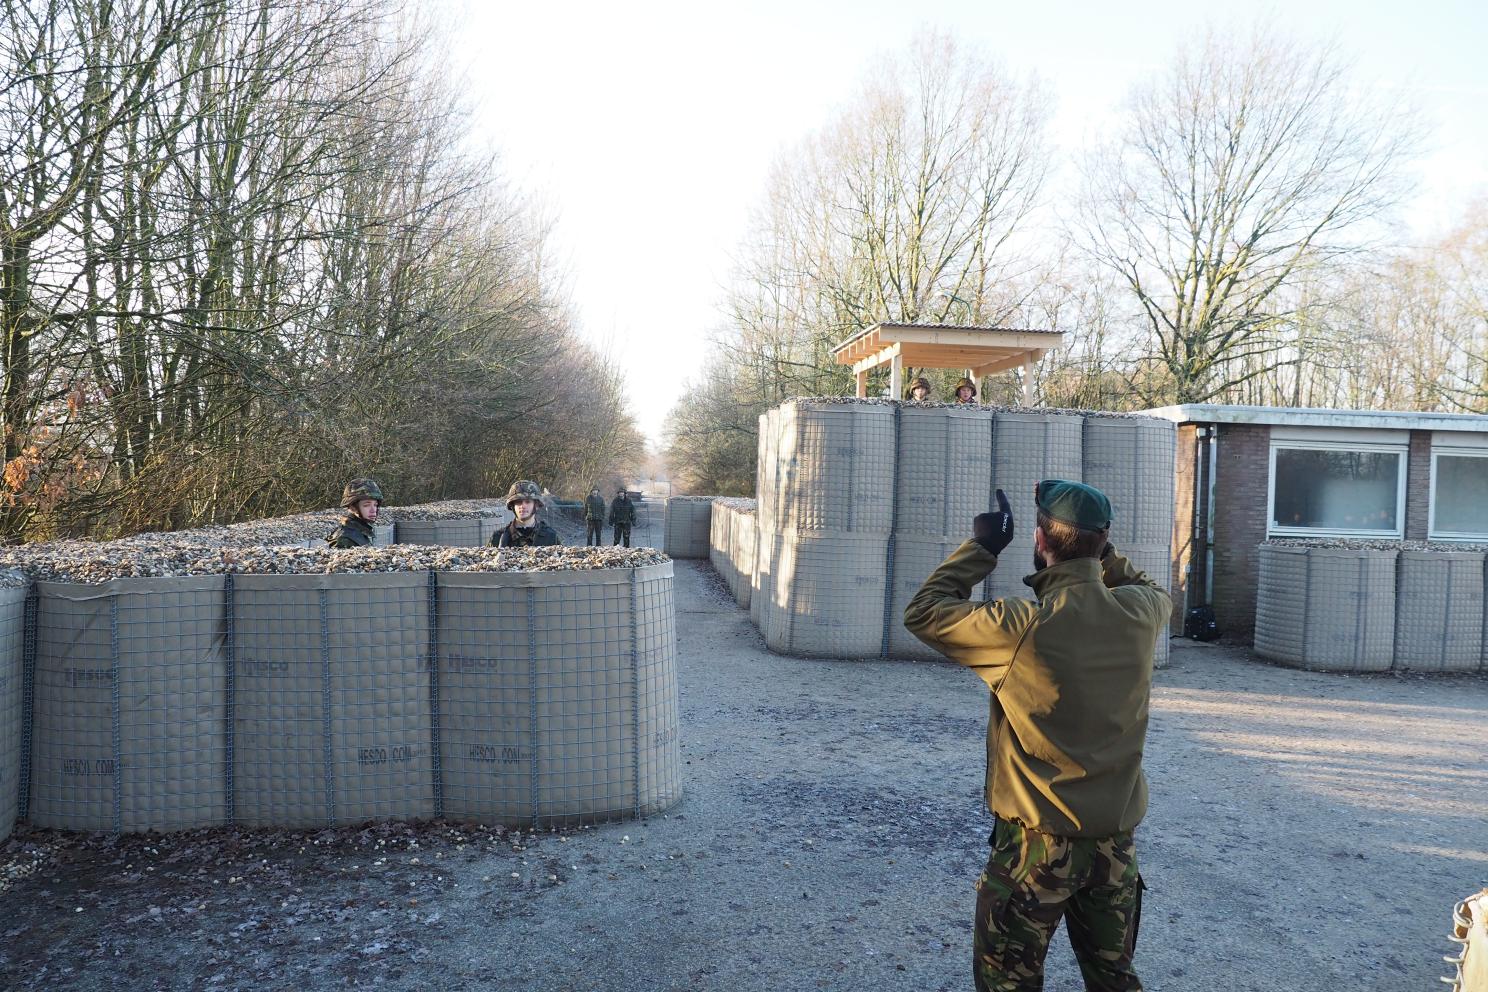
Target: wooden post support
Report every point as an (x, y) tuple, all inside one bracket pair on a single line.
[(896, 377), (1027, 382), (863, 384)]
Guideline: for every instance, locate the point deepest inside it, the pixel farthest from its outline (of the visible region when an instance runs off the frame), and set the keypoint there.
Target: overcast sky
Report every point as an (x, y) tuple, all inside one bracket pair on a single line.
[(651, 127)]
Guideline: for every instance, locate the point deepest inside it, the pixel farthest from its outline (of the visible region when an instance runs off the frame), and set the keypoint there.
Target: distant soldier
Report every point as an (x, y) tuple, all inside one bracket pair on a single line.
[(622, 516), (362, 498), (594, 518), (524, 499), (919, 390), (966, 391)]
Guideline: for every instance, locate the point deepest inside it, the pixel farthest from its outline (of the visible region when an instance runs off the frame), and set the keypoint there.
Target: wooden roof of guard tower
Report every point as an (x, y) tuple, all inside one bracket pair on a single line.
[(979, 350)]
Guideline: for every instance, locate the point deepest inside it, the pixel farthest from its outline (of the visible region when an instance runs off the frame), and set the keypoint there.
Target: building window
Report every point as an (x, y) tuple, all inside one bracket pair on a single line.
[(1319, 489), (1458, 481)]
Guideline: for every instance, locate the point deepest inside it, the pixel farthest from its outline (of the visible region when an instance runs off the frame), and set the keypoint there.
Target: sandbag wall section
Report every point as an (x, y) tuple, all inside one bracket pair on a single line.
[(857, 503), (311, 700)]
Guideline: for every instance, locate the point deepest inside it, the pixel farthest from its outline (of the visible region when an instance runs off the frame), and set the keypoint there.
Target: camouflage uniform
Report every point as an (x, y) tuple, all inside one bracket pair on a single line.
[(594, 518), (1034, 880), (1070, 677), (353, 531), (622, 517)]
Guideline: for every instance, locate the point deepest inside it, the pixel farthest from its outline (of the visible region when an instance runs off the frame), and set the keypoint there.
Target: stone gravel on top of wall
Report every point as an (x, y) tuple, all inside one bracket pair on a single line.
[(93, 562)]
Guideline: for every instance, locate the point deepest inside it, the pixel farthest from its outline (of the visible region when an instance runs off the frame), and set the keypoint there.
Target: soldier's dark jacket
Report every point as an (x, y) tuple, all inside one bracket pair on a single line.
[(1070, 676), (352, 532), (622, 511), (594, 507), (512, 536)]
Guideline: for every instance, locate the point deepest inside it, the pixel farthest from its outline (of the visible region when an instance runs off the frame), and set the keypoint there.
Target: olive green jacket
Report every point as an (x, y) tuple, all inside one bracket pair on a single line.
[(1070, 676)]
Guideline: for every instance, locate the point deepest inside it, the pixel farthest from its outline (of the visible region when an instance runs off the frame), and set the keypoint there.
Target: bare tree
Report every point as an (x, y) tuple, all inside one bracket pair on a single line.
[(905, 207), (1251, 163)]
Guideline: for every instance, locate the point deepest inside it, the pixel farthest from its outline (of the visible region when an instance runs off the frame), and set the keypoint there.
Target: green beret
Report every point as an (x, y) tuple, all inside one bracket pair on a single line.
[(1075, 503)]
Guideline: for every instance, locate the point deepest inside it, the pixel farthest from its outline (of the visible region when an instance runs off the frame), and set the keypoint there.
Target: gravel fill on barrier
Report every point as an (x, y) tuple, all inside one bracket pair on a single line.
[(1348, 544), (87, 562), (454, 509), (736, 503), (829, 838)]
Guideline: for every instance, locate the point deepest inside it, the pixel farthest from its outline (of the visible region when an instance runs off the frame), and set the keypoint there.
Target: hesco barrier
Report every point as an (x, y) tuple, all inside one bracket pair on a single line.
[(384, 535), (732, 551), (460, 532), (13, 741), (311, 700), (689, 525), (130, 718), (743, 548), (1326, 608), (1439, 611), (720, 543), (1028, 448), (864, 499), (558, 695), (331, 714)]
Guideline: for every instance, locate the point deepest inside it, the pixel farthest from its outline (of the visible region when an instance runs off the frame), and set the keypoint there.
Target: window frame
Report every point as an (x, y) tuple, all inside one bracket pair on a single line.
[(1400, 450), (1449, 537)]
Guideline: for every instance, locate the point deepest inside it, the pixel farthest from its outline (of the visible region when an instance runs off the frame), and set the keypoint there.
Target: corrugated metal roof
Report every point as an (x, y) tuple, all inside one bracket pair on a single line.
[(1299, 416)]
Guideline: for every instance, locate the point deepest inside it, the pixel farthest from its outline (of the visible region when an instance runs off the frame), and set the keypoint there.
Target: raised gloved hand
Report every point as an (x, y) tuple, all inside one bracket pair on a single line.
[(994, 531)]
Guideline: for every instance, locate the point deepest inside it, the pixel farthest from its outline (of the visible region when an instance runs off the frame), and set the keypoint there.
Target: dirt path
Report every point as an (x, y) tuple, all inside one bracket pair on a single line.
[(1307, 832)]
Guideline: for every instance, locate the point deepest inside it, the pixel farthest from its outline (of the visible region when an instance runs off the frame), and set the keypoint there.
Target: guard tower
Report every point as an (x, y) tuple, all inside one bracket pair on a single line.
[(978, 350)]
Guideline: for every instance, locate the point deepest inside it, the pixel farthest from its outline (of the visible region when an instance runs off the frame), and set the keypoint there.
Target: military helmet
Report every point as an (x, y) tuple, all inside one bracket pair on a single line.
[(524, 489), (920, 382), (359, 489), (964, 384)]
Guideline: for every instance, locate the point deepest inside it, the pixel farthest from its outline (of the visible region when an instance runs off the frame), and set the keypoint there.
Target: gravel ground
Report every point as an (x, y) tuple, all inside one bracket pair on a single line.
[(1307, 832)]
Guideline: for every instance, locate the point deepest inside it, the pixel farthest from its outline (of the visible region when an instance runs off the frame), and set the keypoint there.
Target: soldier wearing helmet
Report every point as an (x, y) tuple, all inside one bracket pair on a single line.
[(594, 518), (966, 391), (362, 498), (919, 390), (622, 516), (524, 499)]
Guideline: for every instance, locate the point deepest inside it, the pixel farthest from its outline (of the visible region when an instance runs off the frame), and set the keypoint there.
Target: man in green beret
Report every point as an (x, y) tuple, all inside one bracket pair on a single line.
[(1070, 677)]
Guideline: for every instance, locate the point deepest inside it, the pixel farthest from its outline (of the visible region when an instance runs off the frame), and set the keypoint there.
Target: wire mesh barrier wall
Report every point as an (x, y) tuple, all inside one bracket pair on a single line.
[(689, 526), (1326, 608), (859, 500), (732, 552), (129, 727), (517, 697), (463, 532), (13, 687), (720, 543), (1439, 611), (743, 541)]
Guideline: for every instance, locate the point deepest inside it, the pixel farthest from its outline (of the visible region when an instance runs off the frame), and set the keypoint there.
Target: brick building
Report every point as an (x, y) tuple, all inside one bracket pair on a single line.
[(1248, 473)]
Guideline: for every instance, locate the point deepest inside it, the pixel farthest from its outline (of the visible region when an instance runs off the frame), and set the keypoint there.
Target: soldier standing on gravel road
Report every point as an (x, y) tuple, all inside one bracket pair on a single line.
[(1070, 676), (594, 517), (524, 499), (362, 498), (622, 516)]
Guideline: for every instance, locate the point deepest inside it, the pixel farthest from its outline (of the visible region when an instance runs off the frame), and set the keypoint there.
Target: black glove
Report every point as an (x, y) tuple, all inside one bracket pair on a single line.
[(994, 531)]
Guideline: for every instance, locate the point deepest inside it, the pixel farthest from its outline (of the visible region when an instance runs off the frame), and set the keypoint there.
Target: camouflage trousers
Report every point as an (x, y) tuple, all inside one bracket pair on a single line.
[(1033, 881)]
